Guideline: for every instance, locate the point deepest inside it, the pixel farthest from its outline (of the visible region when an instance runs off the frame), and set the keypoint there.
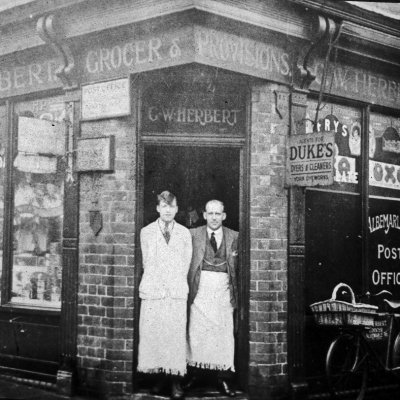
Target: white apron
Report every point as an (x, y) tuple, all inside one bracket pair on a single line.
[(162, 331), (211, 342)]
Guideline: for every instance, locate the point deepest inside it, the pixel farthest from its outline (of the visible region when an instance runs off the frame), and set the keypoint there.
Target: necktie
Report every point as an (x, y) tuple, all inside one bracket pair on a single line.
[(213, 242), (167, 234)]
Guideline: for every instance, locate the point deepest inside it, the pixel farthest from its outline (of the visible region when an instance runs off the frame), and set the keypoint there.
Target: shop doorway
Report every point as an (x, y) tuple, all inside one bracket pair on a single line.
[(195, 175)]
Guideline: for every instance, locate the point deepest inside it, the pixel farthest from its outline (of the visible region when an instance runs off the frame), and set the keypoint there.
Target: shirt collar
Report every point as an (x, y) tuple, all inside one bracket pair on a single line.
[(218, 232), (162, 224)]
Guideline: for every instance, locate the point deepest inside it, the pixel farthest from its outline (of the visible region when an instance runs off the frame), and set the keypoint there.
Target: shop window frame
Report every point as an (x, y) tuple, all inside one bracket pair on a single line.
[(8, 226)]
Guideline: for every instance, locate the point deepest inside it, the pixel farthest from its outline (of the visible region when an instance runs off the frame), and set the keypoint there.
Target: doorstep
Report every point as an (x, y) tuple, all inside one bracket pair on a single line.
[(209, 395)]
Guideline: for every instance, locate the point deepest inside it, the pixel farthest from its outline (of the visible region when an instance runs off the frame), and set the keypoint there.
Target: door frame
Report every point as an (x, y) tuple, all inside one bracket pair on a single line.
[(243, 143)]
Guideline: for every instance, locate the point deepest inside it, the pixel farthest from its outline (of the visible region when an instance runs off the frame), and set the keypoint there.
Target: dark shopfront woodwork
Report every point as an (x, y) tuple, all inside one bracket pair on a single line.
[(193, 142), (194, 101), (38, 327), (352, 227)]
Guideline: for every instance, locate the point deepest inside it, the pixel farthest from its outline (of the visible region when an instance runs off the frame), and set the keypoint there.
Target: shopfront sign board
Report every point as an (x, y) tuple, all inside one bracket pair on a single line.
[(96, 154), (108, 99), (193, 113), (310, 159)]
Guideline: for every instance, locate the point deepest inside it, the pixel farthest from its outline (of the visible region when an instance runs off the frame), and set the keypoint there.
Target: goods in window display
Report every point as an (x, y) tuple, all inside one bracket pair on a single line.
[(37, 236)]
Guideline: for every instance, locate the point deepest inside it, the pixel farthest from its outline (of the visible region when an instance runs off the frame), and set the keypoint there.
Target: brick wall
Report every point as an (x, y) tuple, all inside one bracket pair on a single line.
[(105, 314), (106, 261), (268, 232)]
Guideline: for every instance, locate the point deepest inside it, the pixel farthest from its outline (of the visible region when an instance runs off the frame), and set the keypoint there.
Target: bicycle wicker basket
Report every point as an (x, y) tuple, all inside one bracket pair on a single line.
[(337, 312)]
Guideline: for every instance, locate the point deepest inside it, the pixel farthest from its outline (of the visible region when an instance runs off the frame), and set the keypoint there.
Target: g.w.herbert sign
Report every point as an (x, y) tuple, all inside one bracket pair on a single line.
[(310, 159)]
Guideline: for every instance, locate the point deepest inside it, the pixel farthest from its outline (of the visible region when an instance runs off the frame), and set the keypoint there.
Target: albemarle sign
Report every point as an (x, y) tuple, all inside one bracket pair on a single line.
[(310, 159)]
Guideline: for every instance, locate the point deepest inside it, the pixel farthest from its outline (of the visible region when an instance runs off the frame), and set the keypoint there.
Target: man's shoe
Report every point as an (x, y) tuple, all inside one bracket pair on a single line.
[(192, 383), (224, 388), (159, 386), (176, 391)]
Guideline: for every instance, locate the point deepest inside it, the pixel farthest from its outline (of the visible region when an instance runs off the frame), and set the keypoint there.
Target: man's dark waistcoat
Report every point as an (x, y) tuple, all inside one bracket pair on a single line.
[(199, 241)]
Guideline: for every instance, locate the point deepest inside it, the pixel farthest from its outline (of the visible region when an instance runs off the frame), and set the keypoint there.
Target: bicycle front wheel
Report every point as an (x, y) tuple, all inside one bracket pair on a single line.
[(347, 368), (396, 355)]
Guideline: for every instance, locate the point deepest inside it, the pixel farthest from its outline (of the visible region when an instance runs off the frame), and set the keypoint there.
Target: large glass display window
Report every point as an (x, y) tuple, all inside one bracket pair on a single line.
[(38, 171)]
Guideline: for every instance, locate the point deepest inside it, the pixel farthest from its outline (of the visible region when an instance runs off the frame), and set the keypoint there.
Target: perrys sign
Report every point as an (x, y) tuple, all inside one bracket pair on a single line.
[(310, 159)]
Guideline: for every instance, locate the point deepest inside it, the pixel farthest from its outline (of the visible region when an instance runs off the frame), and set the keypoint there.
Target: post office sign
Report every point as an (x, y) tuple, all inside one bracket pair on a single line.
[(106, 99)]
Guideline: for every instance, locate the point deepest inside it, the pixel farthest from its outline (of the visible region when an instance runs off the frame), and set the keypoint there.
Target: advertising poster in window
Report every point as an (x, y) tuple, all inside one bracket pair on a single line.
[(384, 246), (384, 152), (345, 122)]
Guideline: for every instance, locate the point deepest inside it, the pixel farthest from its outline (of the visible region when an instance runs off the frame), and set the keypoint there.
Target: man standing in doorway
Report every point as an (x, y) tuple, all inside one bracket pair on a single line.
[(213, 297), (167, 251)]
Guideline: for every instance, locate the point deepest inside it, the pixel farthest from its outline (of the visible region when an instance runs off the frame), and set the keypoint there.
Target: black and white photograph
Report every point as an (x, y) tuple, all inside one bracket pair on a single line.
[(199, 199)]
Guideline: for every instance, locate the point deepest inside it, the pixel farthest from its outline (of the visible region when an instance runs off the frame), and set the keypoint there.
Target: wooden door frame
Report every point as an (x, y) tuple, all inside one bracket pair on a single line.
[(243, 144)]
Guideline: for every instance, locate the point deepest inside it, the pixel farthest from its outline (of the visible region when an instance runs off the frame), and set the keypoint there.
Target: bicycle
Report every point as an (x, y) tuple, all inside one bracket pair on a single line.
[(350, 354)]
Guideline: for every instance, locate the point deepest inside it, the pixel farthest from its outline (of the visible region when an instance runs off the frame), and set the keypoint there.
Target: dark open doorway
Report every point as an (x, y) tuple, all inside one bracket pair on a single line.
[(195, 175)]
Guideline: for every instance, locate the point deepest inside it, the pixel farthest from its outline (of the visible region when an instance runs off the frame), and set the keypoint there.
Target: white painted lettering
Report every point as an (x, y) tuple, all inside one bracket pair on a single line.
[(34, 71)]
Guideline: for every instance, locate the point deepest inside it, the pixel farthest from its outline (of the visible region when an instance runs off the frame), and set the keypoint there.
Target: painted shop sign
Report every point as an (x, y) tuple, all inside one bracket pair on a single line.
[(96, 154), (30, 77), (359, 84), (106, 99), (136, 51), (137, 54), (192, 112), (384, 245), (189, 44), (310, 159), (241, 54)]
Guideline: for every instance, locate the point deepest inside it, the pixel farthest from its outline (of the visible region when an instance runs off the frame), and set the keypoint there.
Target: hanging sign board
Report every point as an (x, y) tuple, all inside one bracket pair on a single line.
[(96, 154), (106, 99), (310, 159), (40, 136), (35, 163)]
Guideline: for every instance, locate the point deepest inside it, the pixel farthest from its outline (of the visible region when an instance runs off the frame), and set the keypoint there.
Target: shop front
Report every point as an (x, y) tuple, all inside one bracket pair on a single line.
[(113, 105)]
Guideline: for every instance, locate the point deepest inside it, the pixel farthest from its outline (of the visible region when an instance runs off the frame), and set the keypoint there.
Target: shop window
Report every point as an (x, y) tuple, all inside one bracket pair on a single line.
[(334, 232), (38, 176), (338, 206), (384, 204)]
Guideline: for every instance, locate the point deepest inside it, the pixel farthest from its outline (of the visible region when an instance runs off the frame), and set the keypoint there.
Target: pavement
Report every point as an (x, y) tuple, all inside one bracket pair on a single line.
[(11, 390)]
